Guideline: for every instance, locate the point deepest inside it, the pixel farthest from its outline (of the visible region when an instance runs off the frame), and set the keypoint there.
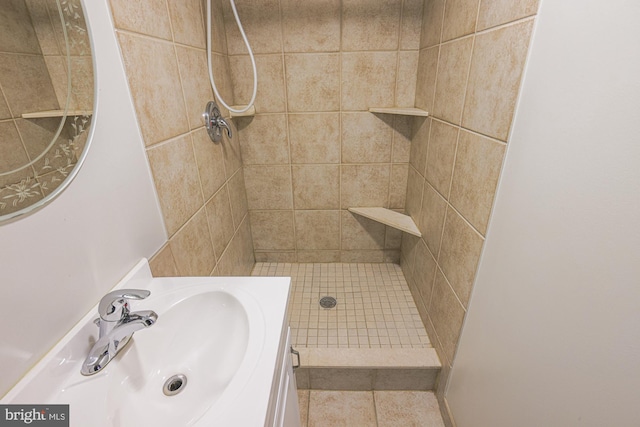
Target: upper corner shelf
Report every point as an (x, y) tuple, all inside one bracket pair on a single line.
[(55, 113), (403, 111), (249, 113), (391, 218)]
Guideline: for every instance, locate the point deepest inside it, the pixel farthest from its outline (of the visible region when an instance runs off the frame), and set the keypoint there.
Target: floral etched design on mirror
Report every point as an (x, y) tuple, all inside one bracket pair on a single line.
[(46, 100)]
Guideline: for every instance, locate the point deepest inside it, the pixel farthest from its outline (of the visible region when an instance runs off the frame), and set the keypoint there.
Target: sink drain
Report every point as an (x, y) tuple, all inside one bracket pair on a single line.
[(328, 302), (174, 385)]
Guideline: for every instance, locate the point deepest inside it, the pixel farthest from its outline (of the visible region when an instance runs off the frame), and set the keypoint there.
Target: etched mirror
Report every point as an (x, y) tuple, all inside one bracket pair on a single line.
[(46, 100)]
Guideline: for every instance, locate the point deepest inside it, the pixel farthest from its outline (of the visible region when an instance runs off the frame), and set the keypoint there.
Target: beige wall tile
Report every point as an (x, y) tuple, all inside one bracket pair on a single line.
[(272, 230), (341, 408), (407, 408), (318, 256), (288, 256), (370, 25), (314, 138), (238, 259), (154, 80), (453, 68), (261, 22), (339, 379), (218, 30), (192, 64), (238, 196), (368, 79), (57, 68), (424, 272), (270, 95), (269, 187), (192, 249), (365, 185), (377, 255), (405, 379), (26, 84), (406, 80), (317, 229), (420, 144), (442, 150), (311, 26), (316, 187), (176, 177), (459, 254), (459, 18), (413, 201), (361, 233), (398, 185), (431, 218), (392, 238), (366, 137), (12, 151), (231, 151), (187, 22), (150, 17), (426, 79), (496, 12), (221, 74), (264, 140), (4, 109), (477, 170), (402, 135), (494, 80), (313, 82), (392, 256), (220, 220), (41, 24), (407, 261), (210, 163), (162, 263), (432, 23), (411, 25), (17, 34), (447, 315), (82, 86)]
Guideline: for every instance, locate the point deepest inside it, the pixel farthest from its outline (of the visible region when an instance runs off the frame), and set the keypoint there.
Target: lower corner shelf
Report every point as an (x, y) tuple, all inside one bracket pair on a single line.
[(391, 218)]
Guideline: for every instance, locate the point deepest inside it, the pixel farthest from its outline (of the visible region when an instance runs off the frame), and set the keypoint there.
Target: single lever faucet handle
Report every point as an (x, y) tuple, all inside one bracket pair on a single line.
[(114, 305)]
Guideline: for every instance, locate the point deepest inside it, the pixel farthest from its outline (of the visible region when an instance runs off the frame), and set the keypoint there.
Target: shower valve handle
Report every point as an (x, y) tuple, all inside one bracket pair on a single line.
[(214, 122)]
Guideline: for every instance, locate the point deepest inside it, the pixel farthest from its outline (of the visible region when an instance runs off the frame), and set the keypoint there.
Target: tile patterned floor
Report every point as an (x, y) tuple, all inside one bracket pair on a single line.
[(320, 408), (374, 310)]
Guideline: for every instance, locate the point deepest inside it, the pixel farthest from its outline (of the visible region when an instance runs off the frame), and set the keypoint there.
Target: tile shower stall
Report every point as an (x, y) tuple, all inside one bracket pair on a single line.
[(278, 193)]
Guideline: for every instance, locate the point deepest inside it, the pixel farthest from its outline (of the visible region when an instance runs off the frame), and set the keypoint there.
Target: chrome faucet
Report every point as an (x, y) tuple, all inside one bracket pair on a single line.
[(117, 324)]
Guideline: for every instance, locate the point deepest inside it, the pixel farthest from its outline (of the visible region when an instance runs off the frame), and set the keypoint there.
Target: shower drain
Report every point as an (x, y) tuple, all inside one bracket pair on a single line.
[(328, 302), (174, 385)]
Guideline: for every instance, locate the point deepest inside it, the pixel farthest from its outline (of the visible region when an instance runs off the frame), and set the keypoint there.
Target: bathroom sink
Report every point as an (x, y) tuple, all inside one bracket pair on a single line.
[(213, 348)]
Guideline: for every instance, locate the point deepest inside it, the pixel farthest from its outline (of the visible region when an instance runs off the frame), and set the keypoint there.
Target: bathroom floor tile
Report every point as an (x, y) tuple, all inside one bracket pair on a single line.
[(407, 408), (341, 408)]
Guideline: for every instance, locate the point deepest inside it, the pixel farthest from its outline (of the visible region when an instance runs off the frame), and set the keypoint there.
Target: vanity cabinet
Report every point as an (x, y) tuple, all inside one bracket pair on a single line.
[(283, 406)]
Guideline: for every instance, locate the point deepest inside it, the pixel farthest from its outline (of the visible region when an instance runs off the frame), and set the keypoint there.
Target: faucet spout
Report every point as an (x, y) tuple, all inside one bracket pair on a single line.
[(114, 335)]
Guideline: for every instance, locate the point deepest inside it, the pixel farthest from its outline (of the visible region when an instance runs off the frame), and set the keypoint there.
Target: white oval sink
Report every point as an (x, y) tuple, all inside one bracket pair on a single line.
[(222, 334), (203, 337)]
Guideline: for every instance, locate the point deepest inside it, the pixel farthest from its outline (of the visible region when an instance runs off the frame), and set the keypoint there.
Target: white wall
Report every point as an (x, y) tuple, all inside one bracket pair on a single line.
[(552, 337), (56, 263)]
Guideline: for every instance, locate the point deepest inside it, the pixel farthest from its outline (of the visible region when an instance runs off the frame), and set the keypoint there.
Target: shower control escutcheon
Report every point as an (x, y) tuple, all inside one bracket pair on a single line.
[(214, 122)]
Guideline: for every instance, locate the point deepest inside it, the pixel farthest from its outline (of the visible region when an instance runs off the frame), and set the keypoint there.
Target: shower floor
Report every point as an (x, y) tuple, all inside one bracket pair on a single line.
[(374, 308)]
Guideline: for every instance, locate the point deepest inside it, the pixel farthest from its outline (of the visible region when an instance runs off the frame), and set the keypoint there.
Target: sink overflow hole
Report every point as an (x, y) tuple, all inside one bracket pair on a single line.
[(174, 385), (328, 302)]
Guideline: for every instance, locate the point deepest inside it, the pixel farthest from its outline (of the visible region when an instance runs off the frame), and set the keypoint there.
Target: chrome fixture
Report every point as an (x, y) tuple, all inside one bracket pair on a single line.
[(215, 123), (117, 324)]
